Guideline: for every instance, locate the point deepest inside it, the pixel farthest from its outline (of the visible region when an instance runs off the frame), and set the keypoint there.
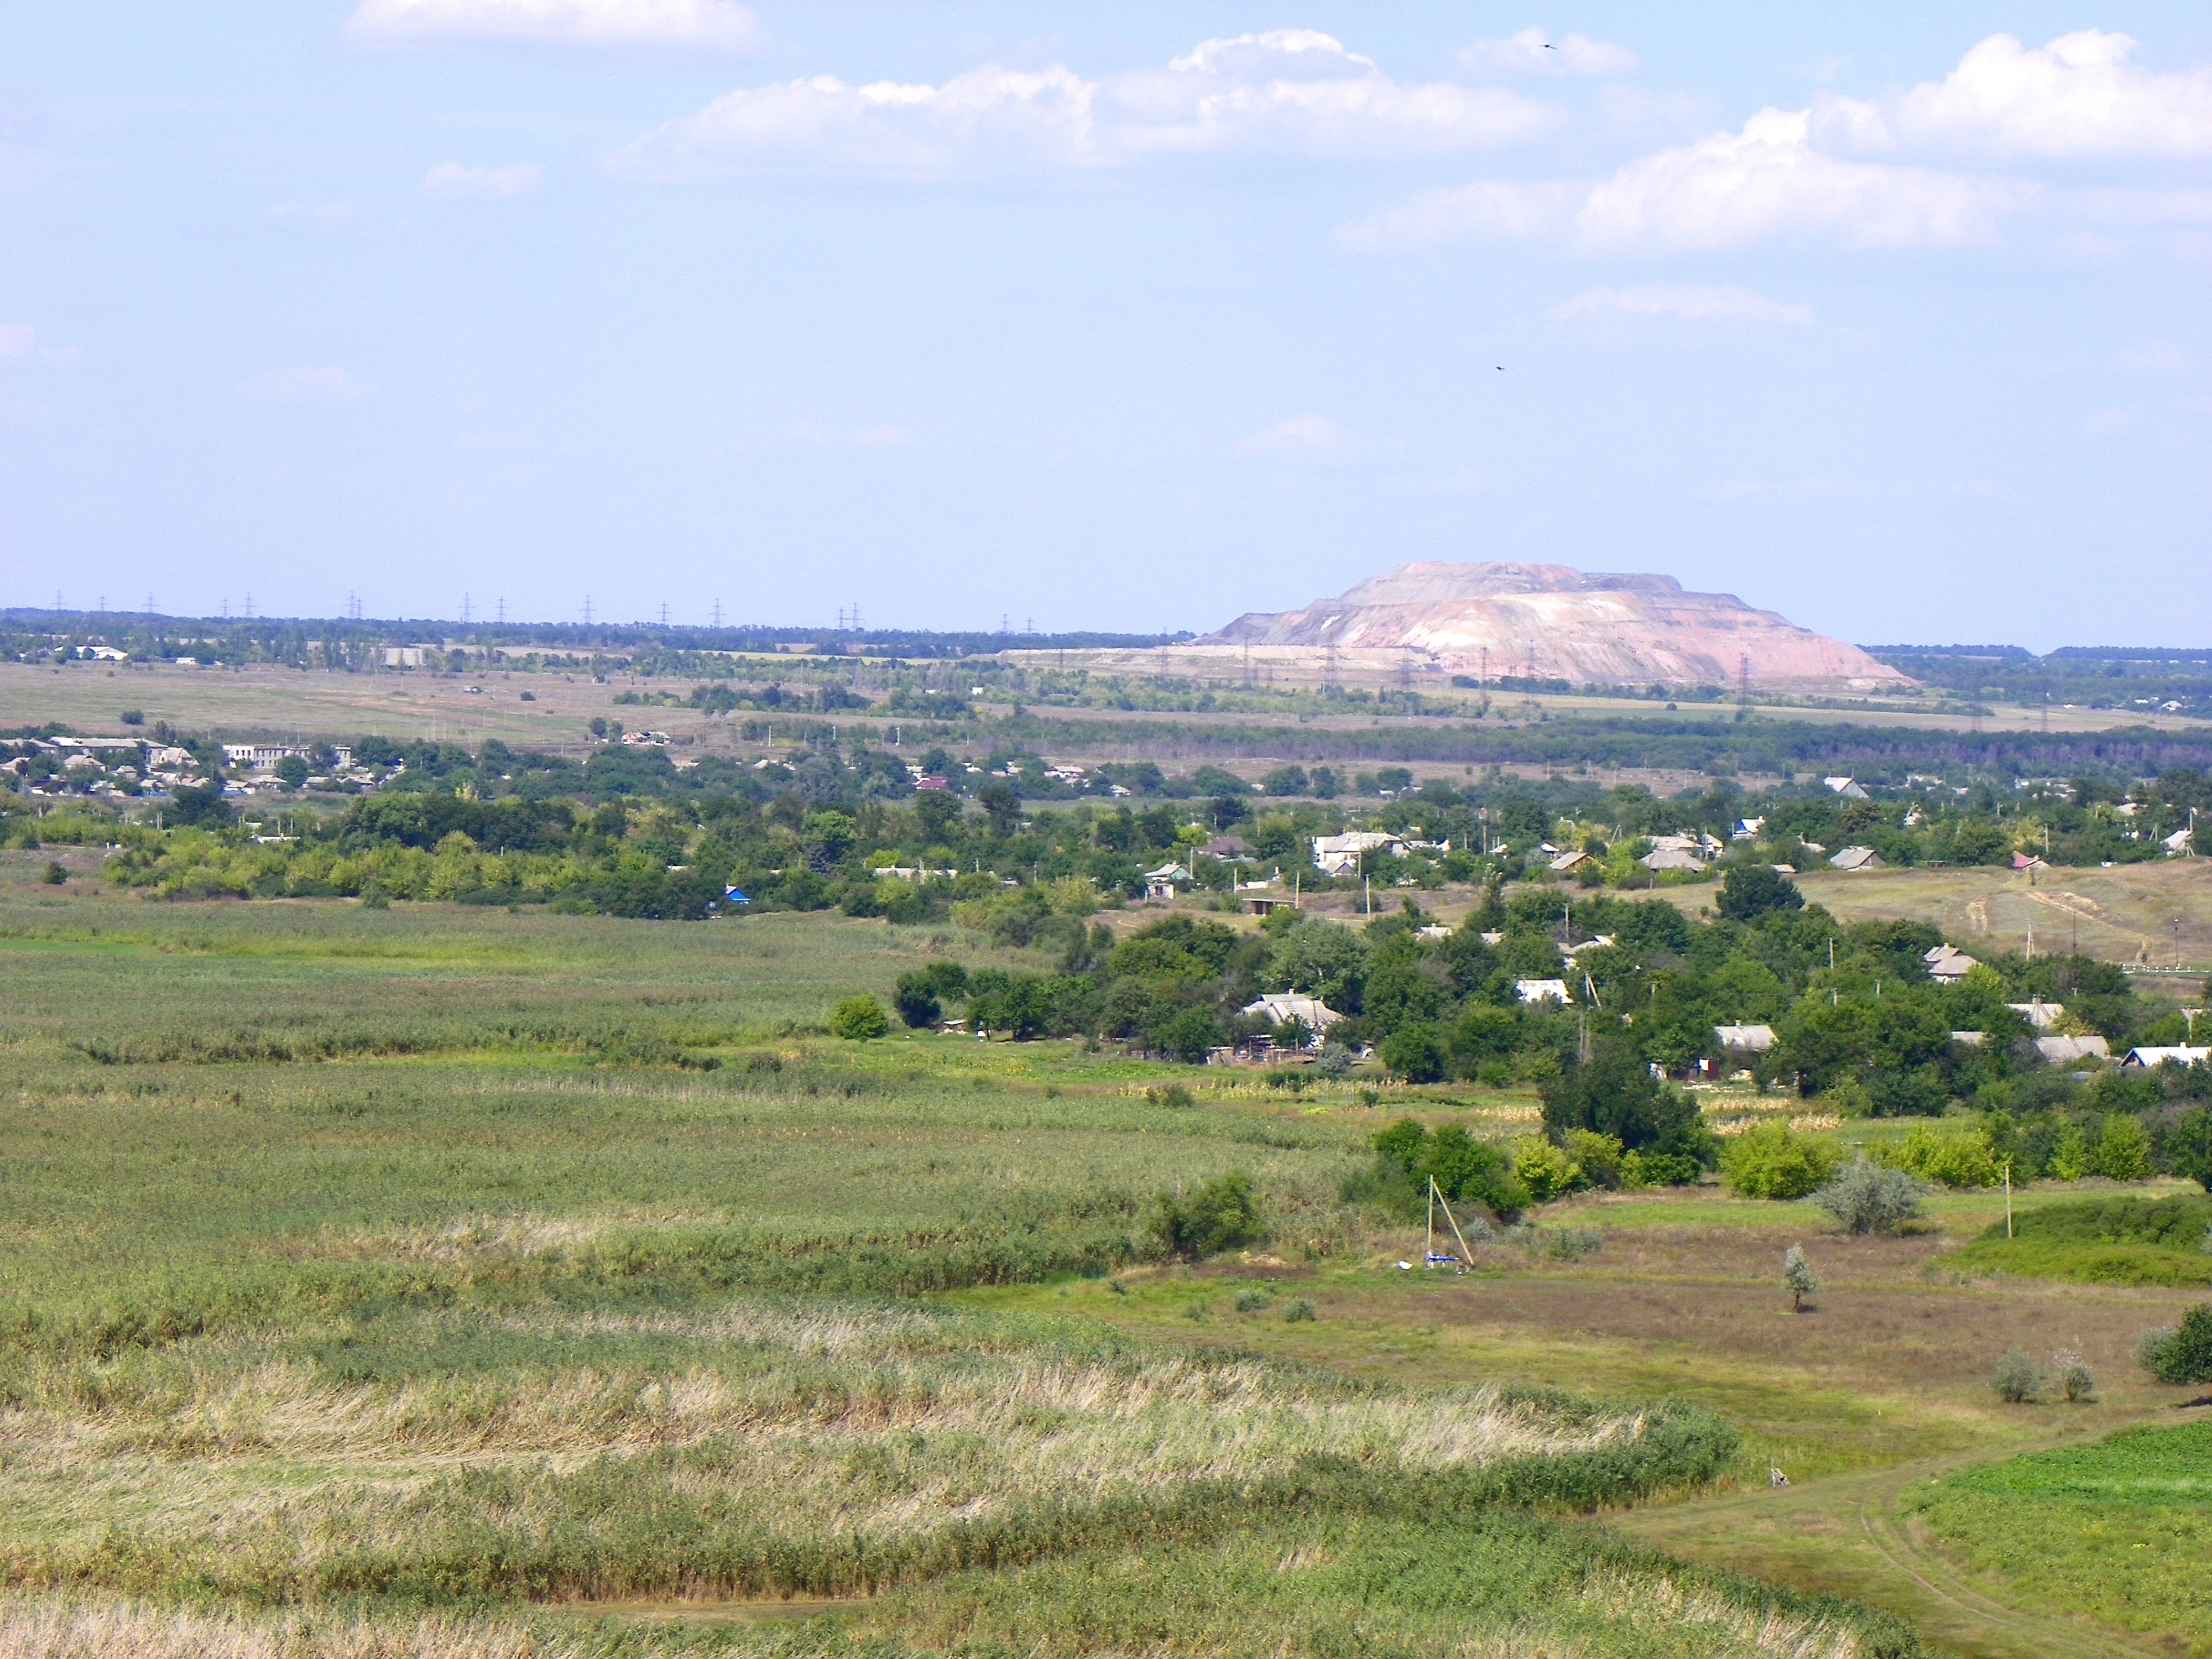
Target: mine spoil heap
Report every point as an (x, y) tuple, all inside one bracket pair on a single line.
[(1548, 622)]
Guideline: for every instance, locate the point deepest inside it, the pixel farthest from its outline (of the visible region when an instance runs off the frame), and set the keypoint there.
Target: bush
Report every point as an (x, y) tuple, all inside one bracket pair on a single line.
[(1639, 1169), (2124, 1150), (1298, 1312), (1600, 1157), (1769, 1161), (2076, 1382), (916, 998), (1544, 1169), (55, 875), (1190, 1034), (1868, 1198), (1959, 1158), (1171, 1094), (1220, 1216), (1254, 1301), (858, 1019), (2183, 1353), (2015, 1379)]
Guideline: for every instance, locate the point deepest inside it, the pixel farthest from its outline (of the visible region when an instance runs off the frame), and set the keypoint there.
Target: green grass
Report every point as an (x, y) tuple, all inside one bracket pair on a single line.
[(2121, 1531), (2119, 1238)]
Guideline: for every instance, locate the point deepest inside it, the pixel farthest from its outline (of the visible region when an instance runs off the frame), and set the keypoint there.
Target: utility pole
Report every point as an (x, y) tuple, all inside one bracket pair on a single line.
[(587, 611), (465, 610), (718, 613)]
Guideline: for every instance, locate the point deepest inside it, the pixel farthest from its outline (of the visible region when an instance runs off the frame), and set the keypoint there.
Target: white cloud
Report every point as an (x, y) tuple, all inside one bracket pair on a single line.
[(15, 340), (1679, 303), (1485, 211), (2077, 98), (1533, 52), (1290, 91), (1767, 181), (451, 181), (304, 385), (1306, 438), (712, 25), (873, 437)]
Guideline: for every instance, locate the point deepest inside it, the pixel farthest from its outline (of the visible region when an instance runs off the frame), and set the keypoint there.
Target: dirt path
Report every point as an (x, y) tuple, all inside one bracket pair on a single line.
[(1842, 1535)]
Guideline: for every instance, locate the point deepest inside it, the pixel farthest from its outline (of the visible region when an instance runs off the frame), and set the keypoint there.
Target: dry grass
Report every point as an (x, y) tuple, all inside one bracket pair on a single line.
[(32, 1627)]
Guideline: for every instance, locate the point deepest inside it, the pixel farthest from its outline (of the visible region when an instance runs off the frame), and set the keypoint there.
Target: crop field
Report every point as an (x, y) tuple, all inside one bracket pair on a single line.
[(437, 1280)]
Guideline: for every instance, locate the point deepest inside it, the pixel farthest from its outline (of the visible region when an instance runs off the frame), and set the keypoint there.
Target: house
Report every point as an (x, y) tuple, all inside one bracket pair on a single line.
[(1747, 829), (402, 656), (1745, 1039), (1567, 863), (1434, 930), (1847, 787), (258, 756), (1337, 855), (1947, 966), (2039, 1014), (1671, 858), (2179, 1054), (1227, 846), (2177, 843), (1972, 1039), (2060, 1050), (932, 785), (1160, 883), (2027, 861), (1278, 1007), (1854, 860), (1542, 990), (1257, 905)]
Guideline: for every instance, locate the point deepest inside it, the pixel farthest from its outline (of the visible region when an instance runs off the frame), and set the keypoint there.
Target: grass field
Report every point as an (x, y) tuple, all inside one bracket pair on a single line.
[(453, 1281), (2121, 1530)]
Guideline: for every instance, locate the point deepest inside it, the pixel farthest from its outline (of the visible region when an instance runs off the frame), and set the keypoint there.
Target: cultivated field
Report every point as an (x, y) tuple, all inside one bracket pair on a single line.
[(441, 1280)]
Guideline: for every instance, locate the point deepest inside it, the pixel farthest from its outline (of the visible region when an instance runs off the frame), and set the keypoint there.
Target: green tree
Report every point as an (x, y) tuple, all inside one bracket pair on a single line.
[(1191, 1035), (1001, 804), (2180, 1353), (1415, 1052), (1749, 891), (858, 1019), (1616, 1095), (1865, 1198), (2124, 1150), (1770, 1161)]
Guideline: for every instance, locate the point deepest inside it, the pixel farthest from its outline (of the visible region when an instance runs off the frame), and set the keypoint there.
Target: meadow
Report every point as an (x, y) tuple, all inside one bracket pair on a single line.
[(444, 1281)]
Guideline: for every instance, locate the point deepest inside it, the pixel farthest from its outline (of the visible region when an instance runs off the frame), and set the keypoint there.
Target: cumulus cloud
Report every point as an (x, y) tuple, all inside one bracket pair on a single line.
[(1679, 303), (15, 340), (304, 385), (1534, 51), (1768, 181), (1306, 438), (1288, 91), (451, 181), (1728, 189), (711, 25), (2078, 98)]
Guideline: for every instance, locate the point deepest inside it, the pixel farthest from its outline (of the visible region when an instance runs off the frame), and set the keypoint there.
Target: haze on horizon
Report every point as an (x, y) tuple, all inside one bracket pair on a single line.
[(1893, 323)]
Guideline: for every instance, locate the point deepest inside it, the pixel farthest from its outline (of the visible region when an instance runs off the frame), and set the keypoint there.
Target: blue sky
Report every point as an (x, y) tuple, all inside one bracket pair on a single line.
[(1135, 317)]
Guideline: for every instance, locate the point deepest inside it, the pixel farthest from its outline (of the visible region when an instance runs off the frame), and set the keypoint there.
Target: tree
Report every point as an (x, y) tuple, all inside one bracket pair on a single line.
[(1616, 1095), (190, 806), (998, 798), (1415, 1052), (858, 1019), (1751, 891), (292, 769), (1220, 1215), (1797, 1278), (1869, 1199), (1191, 1035), (2124, 1150), (937, 810), (916, 998), (1320, 959), (2190, 1145)]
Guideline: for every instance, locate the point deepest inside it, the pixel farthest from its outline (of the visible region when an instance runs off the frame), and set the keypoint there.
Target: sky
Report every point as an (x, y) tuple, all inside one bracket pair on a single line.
[(1890, 318)]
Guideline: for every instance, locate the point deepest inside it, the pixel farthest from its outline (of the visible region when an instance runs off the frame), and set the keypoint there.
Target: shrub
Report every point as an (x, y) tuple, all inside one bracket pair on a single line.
[(1298, 1312), (1254, 1301), (1220, 1215), (1752, 890), (1797, 1278), (1600, 1157), (2183, 1353), (1544, 1169), (2124, 1150), (1868, 1198), (858, 1019), (1957, 1159), (2015, 1379), (1769, 1161), (2076, 1382), (1173, 1096), (55, 875), (1573, 1243), (1657, 1169)]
